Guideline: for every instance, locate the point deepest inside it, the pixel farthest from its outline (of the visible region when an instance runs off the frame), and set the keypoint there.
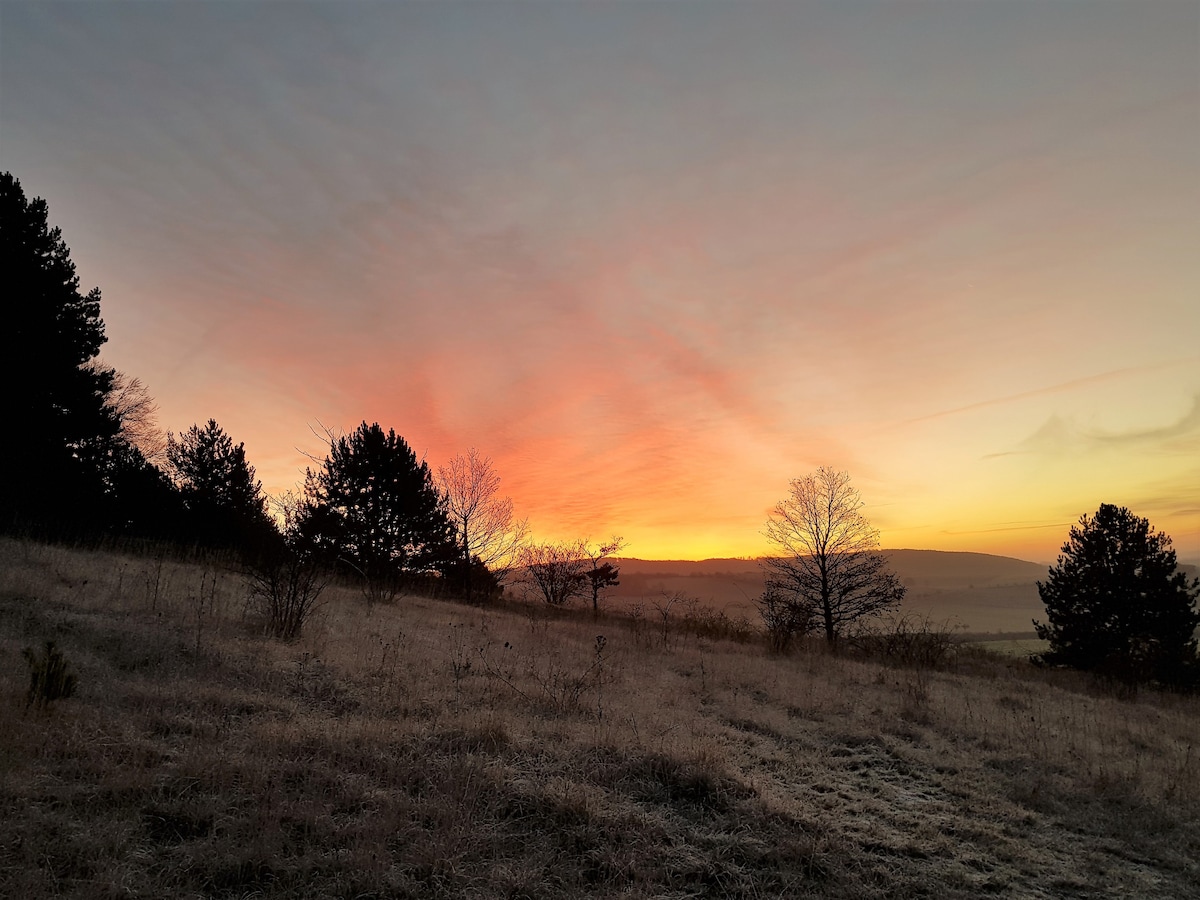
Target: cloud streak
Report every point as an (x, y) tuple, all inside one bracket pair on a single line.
[(655, 260)]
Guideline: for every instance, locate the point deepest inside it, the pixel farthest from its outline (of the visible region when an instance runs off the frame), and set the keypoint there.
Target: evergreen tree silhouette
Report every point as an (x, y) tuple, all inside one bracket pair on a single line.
[(57, 424), (1117, 604), (225, 503), (373, 507)]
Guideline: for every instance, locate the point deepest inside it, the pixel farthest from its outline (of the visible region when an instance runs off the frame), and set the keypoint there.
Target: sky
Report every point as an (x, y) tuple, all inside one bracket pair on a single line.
[(653, 259)]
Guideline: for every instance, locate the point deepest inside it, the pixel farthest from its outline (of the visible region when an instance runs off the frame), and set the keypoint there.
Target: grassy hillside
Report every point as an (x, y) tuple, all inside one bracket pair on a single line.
[(432, 750)]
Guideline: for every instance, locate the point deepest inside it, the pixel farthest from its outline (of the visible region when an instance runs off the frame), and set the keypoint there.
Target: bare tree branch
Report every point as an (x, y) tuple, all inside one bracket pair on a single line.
[(830, 572), (136, 414), (485, 526), (556, 571)]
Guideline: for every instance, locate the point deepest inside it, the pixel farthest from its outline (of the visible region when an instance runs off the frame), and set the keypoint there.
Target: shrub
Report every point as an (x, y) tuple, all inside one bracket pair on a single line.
[(49, 677), (717, 625), (285, 589), (784, 619), (910, 640)]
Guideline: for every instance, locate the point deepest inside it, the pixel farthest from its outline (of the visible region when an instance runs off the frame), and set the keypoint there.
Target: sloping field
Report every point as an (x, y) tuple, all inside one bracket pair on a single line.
[(432, 750)]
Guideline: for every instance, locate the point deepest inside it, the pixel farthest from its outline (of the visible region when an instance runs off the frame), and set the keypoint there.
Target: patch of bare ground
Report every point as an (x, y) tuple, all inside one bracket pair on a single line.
[(426, 749)]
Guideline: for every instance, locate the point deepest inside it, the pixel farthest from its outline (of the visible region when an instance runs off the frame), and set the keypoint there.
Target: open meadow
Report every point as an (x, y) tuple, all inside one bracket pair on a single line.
[(430, 749)]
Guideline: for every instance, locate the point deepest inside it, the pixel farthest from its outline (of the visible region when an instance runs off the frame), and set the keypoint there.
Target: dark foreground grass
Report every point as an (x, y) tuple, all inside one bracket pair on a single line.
[(428, 750)]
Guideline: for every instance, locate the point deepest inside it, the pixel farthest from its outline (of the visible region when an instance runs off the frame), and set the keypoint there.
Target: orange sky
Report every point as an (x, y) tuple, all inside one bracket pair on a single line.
[(654, 260)]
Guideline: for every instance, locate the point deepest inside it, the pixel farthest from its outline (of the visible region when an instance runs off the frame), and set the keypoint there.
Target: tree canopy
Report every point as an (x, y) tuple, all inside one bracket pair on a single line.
[(372, 505), (489, 535), (225, 503), (602, 575), (57, 419), (558, 572), (829, 573), (1116, 602)]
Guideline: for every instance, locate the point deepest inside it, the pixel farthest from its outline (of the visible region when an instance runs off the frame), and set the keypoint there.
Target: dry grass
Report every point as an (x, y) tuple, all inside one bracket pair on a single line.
[(432, 750)]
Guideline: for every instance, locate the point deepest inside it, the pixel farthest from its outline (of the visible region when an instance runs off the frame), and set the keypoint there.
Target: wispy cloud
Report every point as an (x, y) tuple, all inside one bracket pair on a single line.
[(1057, 388), (1061, 435)]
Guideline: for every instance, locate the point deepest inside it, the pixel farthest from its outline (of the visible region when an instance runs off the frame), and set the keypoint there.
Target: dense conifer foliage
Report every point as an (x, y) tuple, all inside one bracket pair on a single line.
[(80, 439), (225, 503), (58, 426), (139, 499), (372, 506), (1117, 604)]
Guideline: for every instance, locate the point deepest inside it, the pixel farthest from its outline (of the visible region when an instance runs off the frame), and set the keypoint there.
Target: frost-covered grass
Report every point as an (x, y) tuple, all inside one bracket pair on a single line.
[(428, 749)]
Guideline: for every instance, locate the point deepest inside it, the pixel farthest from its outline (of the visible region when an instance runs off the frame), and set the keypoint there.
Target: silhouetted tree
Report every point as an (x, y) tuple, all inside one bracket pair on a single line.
[(556, 571), (56, 413), (136, 414), (1117, 604), (831, 573), (140, 499), (488, 533), (373, 506), (287, 581), (225, 503), (602, 575)]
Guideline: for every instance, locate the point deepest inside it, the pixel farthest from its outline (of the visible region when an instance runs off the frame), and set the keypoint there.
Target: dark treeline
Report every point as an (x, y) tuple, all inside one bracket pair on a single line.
[(85, 459), (84, 456), (72, 468)]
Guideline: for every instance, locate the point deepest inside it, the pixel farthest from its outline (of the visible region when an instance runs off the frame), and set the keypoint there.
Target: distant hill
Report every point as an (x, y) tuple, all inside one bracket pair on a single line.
[(634, 566), (924, 565), (920, 569)]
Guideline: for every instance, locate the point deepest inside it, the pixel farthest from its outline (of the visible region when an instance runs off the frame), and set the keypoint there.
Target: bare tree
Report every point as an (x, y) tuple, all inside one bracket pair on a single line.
[(830, 572), (485, 527), (136, 414), (556, 571), (602, 575), (286, 581)]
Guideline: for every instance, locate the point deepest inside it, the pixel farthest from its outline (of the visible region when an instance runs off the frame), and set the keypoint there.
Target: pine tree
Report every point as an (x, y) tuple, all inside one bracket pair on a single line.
[(225, 503), (373, 507), (1117, 604), (57, 419)]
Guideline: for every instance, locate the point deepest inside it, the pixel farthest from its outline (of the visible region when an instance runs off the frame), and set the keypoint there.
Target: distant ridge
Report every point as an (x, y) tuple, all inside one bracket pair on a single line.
[(941, 568), (717, 565), (984, 592), (919, 563)]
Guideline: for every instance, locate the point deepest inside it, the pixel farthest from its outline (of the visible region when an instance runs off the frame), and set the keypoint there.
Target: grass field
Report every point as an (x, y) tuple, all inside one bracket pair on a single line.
[(427, 749)]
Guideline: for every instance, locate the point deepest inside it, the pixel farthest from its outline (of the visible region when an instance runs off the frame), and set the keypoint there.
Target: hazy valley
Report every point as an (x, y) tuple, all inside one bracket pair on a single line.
[(981, 593)]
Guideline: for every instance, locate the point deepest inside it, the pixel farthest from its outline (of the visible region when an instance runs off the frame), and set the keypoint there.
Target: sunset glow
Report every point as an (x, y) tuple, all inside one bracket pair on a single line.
[(653, 259)]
